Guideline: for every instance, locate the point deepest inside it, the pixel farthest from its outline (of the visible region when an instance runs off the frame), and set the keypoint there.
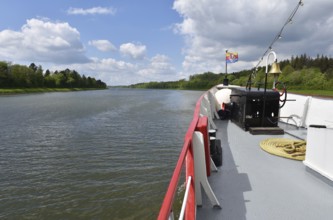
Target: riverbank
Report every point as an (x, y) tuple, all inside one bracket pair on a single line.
[(41, 90), (316, 93)]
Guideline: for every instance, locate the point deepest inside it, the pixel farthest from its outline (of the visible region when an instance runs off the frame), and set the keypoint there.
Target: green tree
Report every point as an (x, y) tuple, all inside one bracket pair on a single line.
[(5, 76), (286, 71)]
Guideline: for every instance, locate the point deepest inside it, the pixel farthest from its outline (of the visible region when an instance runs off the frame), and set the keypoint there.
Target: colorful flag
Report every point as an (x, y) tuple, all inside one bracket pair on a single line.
[(231, 57)]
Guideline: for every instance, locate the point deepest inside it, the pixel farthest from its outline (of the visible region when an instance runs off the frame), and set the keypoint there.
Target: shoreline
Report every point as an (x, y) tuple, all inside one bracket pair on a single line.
[(15, 91)]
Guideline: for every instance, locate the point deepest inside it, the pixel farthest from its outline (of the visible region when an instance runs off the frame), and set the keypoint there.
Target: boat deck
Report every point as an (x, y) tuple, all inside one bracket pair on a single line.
[(253, 184)]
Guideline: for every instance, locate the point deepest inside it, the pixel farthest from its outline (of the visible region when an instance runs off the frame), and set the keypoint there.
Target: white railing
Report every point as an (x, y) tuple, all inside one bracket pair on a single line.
[(316, 115), (307, 110), (319, 150), (182, 211)]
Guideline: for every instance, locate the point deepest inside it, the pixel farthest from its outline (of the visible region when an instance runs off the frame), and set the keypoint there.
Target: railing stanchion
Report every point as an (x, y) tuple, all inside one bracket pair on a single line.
[(187, 189), (202, 127)]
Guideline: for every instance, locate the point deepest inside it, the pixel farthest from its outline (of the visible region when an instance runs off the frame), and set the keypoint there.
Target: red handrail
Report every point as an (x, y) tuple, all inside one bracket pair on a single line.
[(187, 153)]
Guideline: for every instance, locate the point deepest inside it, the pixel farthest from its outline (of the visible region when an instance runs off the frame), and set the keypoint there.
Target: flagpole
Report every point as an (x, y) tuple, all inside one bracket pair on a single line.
[(226, 63), (226, 81)]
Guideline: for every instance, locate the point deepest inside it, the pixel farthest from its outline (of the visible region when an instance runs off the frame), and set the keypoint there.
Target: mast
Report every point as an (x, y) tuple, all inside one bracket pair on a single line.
[(225, 80), (226, 64)]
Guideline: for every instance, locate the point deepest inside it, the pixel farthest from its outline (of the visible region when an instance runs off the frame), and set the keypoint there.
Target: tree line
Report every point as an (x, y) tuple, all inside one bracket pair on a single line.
[(33, 76), (300, 73)]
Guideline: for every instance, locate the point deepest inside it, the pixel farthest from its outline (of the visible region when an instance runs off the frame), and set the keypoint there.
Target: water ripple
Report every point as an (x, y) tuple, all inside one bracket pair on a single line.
[(96, 154)]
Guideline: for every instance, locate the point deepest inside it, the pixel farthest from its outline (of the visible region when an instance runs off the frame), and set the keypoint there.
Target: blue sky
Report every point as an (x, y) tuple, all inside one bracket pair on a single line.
[(128, 41)]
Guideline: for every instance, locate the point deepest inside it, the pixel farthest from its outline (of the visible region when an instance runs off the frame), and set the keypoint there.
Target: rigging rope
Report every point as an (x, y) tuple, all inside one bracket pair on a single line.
[(278, 36)]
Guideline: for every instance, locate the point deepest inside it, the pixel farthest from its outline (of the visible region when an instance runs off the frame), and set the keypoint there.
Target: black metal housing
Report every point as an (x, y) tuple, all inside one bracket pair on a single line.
[(254, 108)]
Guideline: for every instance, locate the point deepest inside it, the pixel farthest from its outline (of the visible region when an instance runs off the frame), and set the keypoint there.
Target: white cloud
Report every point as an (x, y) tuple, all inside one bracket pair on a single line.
[(119, 72), (102, 45), (159, 69), (42, 41), (109, 70), (57, 46), (208, 28), (135, 51), (248, 27), (91, 11)]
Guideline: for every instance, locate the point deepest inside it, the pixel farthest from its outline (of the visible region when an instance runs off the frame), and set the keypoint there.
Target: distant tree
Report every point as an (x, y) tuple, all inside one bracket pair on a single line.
[(5, 76), (32, 76), (329, 74), (50, 81), (20, 75), (33, 67), (47, 73), (286, 71)]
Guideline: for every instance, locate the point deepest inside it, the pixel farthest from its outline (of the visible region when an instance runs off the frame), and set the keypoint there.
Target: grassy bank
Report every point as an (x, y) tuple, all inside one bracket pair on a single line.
[(320, 93), (40, 90)]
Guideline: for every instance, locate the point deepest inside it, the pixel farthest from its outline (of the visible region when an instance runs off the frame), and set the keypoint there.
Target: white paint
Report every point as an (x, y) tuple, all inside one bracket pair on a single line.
[(319, 151), (200, 171), (182, 211)]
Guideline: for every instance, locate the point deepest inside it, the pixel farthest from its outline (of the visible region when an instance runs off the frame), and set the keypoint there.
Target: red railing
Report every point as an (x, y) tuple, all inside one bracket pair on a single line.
[(185, 154)]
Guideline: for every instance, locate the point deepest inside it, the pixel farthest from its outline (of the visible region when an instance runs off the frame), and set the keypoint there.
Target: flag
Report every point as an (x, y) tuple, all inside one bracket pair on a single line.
[(231, 57)]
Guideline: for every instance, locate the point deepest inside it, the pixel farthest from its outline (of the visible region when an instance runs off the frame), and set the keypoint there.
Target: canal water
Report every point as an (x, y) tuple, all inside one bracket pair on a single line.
[(106, 154)]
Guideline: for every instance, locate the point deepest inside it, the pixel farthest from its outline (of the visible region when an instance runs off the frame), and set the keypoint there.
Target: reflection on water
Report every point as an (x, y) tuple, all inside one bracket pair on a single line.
[(92, 154)]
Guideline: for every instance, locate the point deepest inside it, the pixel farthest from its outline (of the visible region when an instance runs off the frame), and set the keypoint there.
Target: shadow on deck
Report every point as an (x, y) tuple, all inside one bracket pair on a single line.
[(253, 184), (230, 189)]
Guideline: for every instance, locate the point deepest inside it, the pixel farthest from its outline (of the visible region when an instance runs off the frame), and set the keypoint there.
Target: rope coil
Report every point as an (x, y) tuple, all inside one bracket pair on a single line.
[(283, 147)]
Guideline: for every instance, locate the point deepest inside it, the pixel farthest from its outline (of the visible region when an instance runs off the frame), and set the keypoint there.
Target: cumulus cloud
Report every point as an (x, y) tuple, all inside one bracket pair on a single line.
[(207, 27), (109, 70), (102, 45), (135, 51), (91, 11), (43, 41), (248, 27), (119, 72), (57, 46), (159, 68)]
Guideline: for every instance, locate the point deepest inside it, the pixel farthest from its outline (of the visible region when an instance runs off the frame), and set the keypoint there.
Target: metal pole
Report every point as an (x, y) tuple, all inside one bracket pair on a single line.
[(266, 73), (225, 80), (226, 64)]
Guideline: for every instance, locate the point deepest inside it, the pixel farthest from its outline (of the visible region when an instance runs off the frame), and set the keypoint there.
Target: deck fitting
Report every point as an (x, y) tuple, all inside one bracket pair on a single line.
[(266, 130)]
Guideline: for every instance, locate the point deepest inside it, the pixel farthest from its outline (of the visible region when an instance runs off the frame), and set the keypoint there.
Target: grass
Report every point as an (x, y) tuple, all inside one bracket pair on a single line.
[(322, 93), (39, 90)]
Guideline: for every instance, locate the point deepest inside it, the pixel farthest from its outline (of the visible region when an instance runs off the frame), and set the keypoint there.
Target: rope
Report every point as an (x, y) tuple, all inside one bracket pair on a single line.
[(277, 37), (288, 148)]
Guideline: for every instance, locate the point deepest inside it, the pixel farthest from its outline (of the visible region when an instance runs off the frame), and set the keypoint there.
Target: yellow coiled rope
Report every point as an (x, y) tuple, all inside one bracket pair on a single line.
[(288, 148)]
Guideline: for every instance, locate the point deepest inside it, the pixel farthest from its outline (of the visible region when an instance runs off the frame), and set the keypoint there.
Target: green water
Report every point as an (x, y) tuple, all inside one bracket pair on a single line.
[(105, 154)]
